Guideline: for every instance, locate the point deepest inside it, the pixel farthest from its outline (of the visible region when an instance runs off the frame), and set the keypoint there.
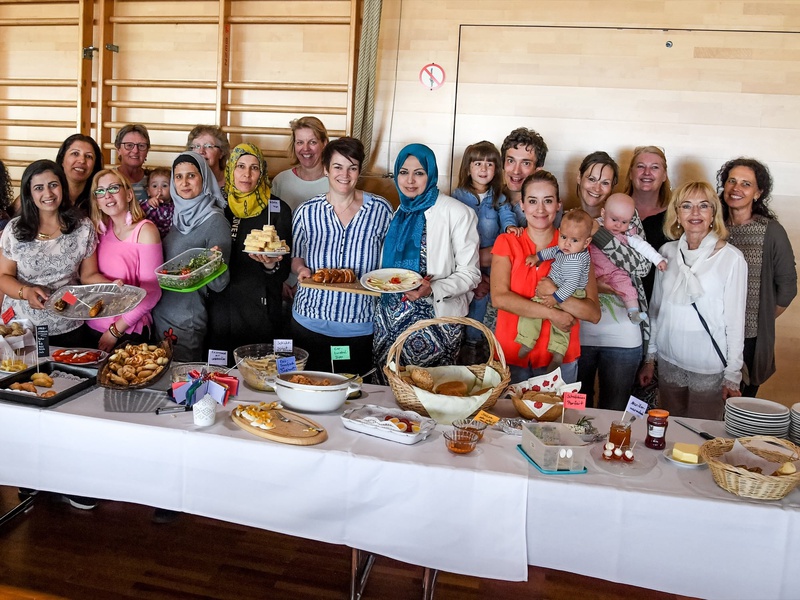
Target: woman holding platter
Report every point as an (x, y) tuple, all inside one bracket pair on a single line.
[(698, 309), (745, 185), (341, 229), (198, 222), (248, 310), (435, 236), (47, 247)]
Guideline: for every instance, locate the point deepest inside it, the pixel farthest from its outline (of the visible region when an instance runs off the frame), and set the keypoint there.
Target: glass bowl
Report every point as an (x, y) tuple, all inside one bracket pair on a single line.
[(259, 361), (180, 372), (477, 427), (460, 441)]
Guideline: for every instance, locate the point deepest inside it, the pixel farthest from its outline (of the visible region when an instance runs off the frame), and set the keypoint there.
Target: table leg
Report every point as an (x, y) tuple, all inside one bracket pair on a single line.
[(20, 508), (428, 583), (360, 565)]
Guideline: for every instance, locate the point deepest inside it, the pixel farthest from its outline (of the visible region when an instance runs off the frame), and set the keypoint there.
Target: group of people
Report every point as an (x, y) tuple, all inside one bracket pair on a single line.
[(648, 285)]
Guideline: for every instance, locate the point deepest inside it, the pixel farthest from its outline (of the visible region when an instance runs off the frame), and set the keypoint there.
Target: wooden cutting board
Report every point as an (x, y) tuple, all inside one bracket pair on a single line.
[(352, 288), (297, 432)]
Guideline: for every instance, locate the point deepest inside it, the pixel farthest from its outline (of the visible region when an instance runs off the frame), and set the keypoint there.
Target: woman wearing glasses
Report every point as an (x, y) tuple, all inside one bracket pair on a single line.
[(129, 249), (210, 142), (133, 144), (46, 247), (698, 307)]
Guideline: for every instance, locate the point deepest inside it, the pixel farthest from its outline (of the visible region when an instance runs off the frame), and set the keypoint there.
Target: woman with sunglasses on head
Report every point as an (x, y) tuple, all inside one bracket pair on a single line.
[(306, 178), (745, 186), (133, 144), (210, 142), (129, 249), (698, 308)]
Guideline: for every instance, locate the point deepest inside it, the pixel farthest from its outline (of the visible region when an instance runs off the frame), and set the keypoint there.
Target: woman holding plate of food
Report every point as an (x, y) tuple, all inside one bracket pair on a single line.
[(198, 222), (341, 229), (436, 236), (248, 310)]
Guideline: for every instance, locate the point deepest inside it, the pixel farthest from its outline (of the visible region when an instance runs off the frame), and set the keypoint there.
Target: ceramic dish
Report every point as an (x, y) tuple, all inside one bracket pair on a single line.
[(270, 253), (116, 300), (312, 398), (391, 281), (668, 455), (371, 419), (78, 356)]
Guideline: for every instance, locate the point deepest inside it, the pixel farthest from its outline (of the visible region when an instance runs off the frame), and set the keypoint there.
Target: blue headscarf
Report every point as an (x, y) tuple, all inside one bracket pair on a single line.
[(402, 245)]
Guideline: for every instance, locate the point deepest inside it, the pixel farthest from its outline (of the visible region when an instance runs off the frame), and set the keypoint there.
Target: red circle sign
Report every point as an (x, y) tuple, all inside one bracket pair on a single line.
[(432, 76)]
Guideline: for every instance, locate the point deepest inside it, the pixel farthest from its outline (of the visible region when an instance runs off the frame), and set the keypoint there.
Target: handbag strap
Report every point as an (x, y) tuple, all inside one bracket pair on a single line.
[(713, 341), (708, 331)]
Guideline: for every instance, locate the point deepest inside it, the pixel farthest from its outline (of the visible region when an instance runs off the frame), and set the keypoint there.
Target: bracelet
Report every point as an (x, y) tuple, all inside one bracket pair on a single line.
[(271, 269), (21, 292), (114, 331)]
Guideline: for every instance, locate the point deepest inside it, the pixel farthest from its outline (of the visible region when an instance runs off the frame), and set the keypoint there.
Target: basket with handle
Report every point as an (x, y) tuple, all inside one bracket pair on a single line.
[(740, 481), (404, 392)]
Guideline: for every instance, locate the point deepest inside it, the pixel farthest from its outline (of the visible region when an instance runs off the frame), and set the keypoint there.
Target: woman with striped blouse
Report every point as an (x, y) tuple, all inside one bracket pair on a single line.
[(342, 229)]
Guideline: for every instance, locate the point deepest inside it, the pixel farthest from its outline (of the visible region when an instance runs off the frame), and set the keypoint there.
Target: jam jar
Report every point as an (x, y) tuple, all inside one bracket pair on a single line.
[(657, 421)]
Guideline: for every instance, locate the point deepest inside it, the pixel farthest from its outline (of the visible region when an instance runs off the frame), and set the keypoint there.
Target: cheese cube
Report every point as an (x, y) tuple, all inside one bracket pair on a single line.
[(688, 453)]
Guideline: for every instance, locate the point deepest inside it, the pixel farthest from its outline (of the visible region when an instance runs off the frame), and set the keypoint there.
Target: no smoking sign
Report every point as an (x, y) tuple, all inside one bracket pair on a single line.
[(432, 76)]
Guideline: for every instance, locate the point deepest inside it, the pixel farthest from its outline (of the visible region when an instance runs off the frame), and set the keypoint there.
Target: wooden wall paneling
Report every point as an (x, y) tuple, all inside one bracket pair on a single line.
[(85, 62), (223, 62)]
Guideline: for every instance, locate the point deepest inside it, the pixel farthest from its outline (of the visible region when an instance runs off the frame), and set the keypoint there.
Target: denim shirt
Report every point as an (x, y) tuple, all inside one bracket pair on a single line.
[(491, 220)]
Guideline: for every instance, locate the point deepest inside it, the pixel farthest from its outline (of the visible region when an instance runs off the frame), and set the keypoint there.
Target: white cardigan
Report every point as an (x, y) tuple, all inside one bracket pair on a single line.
[(676, 332)]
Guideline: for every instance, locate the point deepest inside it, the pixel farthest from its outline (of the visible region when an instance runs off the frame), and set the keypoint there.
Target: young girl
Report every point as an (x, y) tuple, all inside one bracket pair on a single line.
[(159, 207), (480, 180)]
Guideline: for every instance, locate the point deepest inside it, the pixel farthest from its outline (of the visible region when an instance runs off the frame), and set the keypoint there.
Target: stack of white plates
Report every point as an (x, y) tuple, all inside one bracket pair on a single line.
[(794, 428), (754, 416)]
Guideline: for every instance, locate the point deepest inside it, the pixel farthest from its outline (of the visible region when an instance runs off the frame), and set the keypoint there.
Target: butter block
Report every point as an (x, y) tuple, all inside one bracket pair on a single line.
[(688, 453)]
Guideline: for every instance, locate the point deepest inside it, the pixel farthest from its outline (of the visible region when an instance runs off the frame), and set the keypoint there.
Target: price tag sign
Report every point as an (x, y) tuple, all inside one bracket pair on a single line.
[(340, 352), (218, 357), (42, 341), (286, 364), (274, 205), (8, 315), (575, 400), (637, 407), (485, 417), (282, 345)]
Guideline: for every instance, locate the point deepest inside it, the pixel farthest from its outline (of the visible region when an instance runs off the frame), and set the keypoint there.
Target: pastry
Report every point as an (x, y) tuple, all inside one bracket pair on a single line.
[(96, 309), (42, 380), (422, 378), (452, 388), (265, 240)]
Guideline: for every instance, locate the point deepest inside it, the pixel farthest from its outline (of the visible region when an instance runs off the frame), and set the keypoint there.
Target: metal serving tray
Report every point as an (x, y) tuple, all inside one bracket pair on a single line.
[(88, 374)]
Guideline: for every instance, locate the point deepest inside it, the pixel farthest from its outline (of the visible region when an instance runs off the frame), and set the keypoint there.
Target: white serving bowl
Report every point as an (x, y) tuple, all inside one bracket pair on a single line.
[(313, 398)]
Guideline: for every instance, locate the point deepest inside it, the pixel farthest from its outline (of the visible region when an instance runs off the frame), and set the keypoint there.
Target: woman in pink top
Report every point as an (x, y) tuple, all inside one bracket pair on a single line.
[(129, 249)]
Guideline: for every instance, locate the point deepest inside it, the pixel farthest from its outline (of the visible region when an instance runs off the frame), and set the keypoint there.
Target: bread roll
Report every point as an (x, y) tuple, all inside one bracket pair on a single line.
[(452, 388)]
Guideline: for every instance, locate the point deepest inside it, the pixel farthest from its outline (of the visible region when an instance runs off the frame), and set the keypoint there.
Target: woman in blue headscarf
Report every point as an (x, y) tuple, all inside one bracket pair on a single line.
[(436, 236)]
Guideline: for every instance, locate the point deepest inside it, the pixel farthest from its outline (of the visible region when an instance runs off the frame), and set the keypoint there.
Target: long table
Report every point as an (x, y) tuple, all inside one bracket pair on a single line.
[(672, 529)]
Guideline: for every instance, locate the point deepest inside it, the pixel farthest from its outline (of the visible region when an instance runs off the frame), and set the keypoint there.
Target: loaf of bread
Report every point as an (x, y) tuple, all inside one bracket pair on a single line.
[(335, 276)]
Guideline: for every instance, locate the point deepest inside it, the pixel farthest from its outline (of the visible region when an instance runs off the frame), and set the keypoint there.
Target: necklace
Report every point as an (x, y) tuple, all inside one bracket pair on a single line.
[(339, 213), (45, 236)]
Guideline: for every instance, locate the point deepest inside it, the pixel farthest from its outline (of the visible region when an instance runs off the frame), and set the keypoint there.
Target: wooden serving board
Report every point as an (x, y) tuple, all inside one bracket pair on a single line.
[(297, 432), (352, 288)]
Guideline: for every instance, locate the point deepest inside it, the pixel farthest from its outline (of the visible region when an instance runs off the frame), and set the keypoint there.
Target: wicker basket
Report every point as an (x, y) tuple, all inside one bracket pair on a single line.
[(103, 372), (745, 483), (404, 393), (526, 413)]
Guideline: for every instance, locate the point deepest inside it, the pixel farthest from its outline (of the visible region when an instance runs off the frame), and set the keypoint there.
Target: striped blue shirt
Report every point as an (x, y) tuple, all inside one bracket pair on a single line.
[(322, 241)]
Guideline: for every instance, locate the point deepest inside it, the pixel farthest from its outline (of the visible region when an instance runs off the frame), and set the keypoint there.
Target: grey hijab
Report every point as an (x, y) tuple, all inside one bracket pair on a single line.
[(189, 213)]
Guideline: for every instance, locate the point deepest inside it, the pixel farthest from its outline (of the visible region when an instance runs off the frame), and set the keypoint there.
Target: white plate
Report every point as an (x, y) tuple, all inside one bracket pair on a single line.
[(103, 356), (756, 407), (644, 461), (369, 419), (668, 455), (270, 253), (378, 280)]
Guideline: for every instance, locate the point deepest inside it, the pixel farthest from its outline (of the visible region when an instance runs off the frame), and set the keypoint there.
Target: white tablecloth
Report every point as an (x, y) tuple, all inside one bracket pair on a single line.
[(672, 529)]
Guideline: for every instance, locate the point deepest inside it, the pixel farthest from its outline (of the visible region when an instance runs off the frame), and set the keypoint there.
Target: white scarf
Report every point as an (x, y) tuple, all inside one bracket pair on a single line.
[(687, 287)]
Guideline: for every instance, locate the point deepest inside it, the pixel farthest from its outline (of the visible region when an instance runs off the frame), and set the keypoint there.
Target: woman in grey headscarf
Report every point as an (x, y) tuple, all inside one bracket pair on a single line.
[(198, 222)]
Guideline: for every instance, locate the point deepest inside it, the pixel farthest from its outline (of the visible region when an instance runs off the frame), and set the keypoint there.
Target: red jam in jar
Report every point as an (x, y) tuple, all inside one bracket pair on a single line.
[(657, 422)]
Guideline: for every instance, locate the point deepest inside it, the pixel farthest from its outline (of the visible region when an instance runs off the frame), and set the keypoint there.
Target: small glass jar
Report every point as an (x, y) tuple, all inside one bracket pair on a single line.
[(657, 422)]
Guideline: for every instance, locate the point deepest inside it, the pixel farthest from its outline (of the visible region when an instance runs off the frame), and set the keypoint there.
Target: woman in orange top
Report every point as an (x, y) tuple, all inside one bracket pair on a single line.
[(514, 283)]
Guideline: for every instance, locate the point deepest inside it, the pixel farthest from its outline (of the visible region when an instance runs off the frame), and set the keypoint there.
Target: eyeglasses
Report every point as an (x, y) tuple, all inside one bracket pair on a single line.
[(198, 147), (130, 146), (112, 189), (702, 207)]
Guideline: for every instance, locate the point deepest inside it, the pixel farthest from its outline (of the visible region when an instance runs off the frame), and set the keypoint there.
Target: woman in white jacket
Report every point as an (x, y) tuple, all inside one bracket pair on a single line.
[(697, 309), (436, 236)]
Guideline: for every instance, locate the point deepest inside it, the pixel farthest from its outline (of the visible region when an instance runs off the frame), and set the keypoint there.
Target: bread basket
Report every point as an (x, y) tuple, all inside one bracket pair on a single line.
[(404, 392), (104, 371), (747, 484)]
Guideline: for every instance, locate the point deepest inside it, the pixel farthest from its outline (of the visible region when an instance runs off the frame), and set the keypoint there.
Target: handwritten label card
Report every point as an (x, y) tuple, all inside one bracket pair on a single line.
[(218, 357), (637, 407), (485, 417), (283, 345), (286, 364), (274, 205), (340, 352), (575, 400)]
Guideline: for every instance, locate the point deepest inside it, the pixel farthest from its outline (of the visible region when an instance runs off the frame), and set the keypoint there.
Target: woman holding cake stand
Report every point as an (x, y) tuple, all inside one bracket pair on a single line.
[(248, 311)]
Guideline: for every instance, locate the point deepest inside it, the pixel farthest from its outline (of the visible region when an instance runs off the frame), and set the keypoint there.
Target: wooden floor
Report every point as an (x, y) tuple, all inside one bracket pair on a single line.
[(115, 552)]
